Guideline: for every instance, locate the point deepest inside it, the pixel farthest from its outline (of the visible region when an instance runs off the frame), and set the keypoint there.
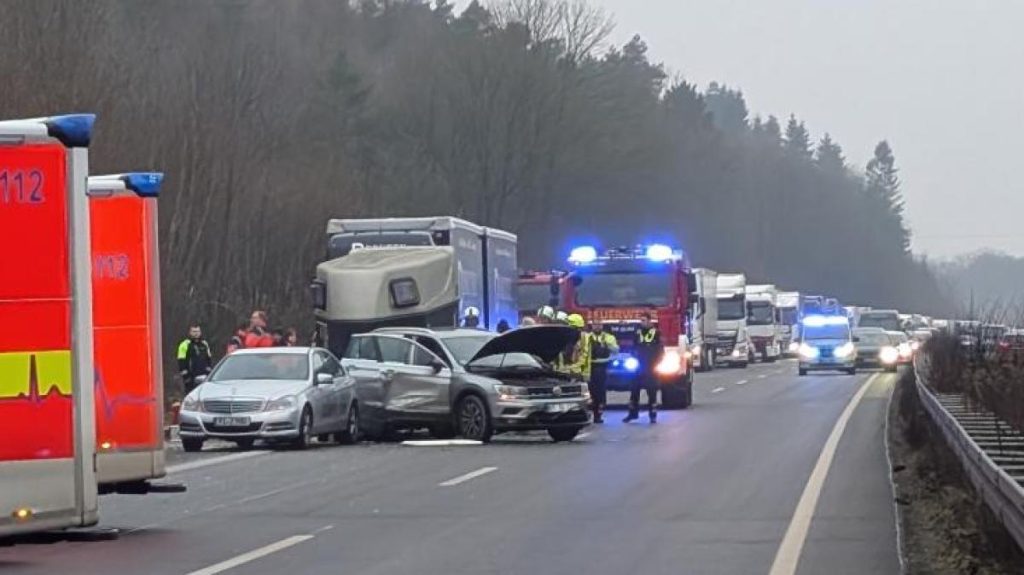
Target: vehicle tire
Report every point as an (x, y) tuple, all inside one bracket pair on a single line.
[(474, 419), (352, 434), (764, 355), (245, 443), (323, 438), (676, 396), (802, 372), (743, 365), (191, 445), (852, 371), (561, 434), (305, 437), (709, 360)]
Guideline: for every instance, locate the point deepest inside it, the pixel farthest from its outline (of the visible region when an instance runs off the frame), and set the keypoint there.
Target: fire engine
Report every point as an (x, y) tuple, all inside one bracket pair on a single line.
[(535, 290), (617, 288)]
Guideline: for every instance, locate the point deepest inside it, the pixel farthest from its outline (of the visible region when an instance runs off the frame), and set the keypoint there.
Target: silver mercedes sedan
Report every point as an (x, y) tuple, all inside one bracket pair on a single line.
[(280, 395)]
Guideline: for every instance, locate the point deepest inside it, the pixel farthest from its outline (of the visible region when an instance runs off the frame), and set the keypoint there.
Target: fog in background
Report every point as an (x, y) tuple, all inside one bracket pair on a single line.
[(941, 79)]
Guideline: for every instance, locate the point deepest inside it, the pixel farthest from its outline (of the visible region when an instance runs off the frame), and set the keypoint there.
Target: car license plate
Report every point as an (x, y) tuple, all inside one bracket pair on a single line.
[(231, 421), (560, 407)]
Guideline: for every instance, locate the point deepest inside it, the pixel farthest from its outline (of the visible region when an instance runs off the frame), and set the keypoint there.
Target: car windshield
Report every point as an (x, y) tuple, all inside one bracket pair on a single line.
[(242, 367), (731, 309), (531, 297), (873, 338), (837, 331), (759, 313), (613, 289), (464, 347), (886, 321)]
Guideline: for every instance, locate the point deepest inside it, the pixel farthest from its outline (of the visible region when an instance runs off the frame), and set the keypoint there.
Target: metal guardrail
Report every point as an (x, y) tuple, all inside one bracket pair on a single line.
[(992, 456)]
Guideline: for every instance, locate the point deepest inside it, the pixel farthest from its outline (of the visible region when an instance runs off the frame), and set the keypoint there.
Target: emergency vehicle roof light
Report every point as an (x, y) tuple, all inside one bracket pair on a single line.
[(74, 130), (823, 320), (660, 253), (145, 184), (583, 255)]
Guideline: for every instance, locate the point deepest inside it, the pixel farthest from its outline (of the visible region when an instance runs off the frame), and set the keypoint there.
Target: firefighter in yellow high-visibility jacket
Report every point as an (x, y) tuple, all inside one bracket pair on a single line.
[(576, 361)]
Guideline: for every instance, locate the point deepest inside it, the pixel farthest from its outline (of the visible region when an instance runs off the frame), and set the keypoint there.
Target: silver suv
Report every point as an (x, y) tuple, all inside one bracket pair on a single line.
[(466, 382)]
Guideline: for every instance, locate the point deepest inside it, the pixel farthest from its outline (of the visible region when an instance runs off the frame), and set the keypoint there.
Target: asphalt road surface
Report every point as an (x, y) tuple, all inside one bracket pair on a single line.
[(768, 473)]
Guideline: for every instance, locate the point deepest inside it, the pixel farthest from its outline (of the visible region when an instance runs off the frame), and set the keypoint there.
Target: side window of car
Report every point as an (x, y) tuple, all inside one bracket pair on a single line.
[(434, 348), (318, 362), (394, 349), (421, 356), (331, 364), (363, 347)]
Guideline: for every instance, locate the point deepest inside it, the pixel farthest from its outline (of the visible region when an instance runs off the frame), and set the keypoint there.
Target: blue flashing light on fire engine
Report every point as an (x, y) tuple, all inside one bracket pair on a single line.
[(583, 255), (659, 252)]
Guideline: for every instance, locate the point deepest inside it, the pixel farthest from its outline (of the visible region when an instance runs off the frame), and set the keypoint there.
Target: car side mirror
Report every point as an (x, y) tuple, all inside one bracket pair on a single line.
[(324, 379), (437, 365), (200, 379)]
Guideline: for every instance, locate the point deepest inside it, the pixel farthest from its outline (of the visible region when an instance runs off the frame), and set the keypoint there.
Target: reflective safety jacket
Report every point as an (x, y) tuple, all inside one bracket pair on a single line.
[(577, 363), (194, 357), (647, 347), (602, 347)]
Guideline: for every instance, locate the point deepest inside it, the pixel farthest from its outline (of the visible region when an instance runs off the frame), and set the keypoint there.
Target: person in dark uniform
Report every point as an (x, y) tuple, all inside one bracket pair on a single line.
[(648, 350), (603, 346), (194, 357)]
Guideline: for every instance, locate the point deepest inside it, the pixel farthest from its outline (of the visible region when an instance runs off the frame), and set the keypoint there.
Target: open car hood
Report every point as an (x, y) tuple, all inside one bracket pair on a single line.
[(543, 341)]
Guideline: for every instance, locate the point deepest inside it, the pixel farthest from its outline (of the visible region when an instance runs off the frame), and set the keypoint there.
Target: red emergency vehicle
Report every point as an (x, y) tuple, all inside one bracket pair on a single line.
[(618, 287), (535, 290), (126, 317), (47, 433)]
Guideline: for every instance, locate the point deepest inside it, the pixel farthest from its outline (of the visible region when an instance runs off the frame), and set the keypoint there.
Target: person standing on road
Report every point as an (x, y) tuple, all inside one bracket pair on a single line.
[(194, 357), (647, 346), (603, 346), (257, 334), (576, 360), (471, 318), (237, 341)]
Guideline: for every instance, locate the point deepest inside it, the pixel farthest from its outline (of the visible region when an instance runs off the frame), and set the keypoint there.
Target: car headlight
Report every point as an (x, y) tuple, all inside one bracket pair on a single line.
[(844, 351), (889, 354), (695, 350), (809, 351), (670, 364), (511, 392), (914, 346), (585, 391), (794, 347), (191, 403), (281, 404), (905, 351)]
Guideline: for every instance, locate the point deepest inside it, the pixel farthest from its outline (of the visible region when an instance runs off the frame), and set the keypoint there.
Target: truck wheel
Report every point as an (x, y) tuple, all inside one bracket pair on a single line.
[(802, 372), (676, 396), (474, 419), (560, 434), (191, 445), (709, 360)]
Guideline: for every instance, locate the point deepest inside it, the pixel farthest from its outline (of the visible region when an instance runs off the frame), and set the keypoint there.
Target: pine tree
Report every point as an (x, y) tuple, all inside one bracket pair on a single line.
[(882, 185), (798, 140), (829, 156), (728, 108)]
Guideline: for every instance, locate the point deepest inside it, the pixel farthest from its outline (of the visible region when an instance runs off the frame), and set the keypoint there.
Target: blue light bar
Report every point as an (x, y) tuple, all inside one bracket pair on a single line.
[(74, 130), (583, 255), (660, 253), (145, 184), (823, 320)]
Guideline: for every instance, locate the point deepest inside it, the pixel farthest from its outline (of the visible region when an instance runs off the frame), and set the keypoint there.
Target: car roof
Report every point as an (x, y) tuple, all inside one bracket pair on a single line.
[(439, 332), (868, 330), (297, 350)]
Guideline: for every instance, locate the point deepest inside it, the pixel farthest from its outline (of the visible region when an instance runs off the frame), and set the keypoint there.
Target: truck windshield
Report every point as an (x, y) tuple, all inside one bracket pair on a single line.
[(623, 289), (532, 297), (788, 315), (759, 313), (731, 309), (886, 321)]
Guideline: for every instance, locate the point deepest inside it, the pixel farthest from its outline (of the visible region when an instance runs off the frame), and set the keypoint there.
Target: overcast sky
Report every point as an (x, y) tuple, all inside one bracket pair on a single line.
[(942, 80)]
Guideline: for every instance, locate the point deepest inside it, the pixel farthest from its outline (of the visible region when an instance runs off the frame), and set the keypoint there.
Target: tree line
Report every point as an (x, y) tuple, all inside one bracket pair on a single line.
[(269, 117)]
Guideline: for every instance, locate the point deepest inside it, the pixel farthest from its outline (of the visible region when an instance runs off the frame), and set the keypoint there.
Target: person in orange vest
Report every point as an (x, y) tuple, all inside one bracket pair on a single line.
[(257, 334)]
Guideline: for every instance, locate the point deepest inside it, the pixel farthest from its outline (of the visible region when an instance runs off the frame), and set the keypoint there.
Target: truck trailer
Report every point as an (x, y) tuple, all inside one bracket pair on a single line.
[(704, 319)]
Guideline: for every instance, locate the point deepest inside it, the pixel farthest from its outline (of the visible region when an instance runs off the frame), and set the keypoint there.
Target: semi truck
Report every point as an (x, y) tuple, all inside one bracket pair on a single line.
[(704, 319), (733, 344), (129, 391), (618, 287), (47, 409), (787, 306), (763, 328), (412, 272)]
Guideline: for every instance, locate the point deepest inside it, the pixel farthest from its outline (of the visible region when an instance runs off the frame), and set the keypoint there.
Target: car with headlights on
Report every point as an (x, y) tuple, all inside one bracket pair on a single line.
[(279, 395), (875, 348), (904, 346), (467, 382), (826, 343)]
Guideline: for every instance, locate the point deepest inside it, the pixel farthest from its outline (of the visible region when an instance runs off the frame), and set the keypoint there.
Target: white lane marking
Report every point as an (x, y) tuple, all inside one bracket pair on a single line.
[(762, 376), (718, 390), (252, 555), (467, 477), (788, 555), (742, 382), (440, 442), (213, 461)]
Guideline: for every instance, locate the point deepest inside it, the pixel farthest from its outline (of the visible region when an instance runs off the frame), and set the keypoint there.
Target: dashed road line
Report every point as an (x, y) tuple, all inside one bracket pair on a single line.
[(718, 390), (467, 477), (253, 555), (213, 461), (742, 382), (762, 376)]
